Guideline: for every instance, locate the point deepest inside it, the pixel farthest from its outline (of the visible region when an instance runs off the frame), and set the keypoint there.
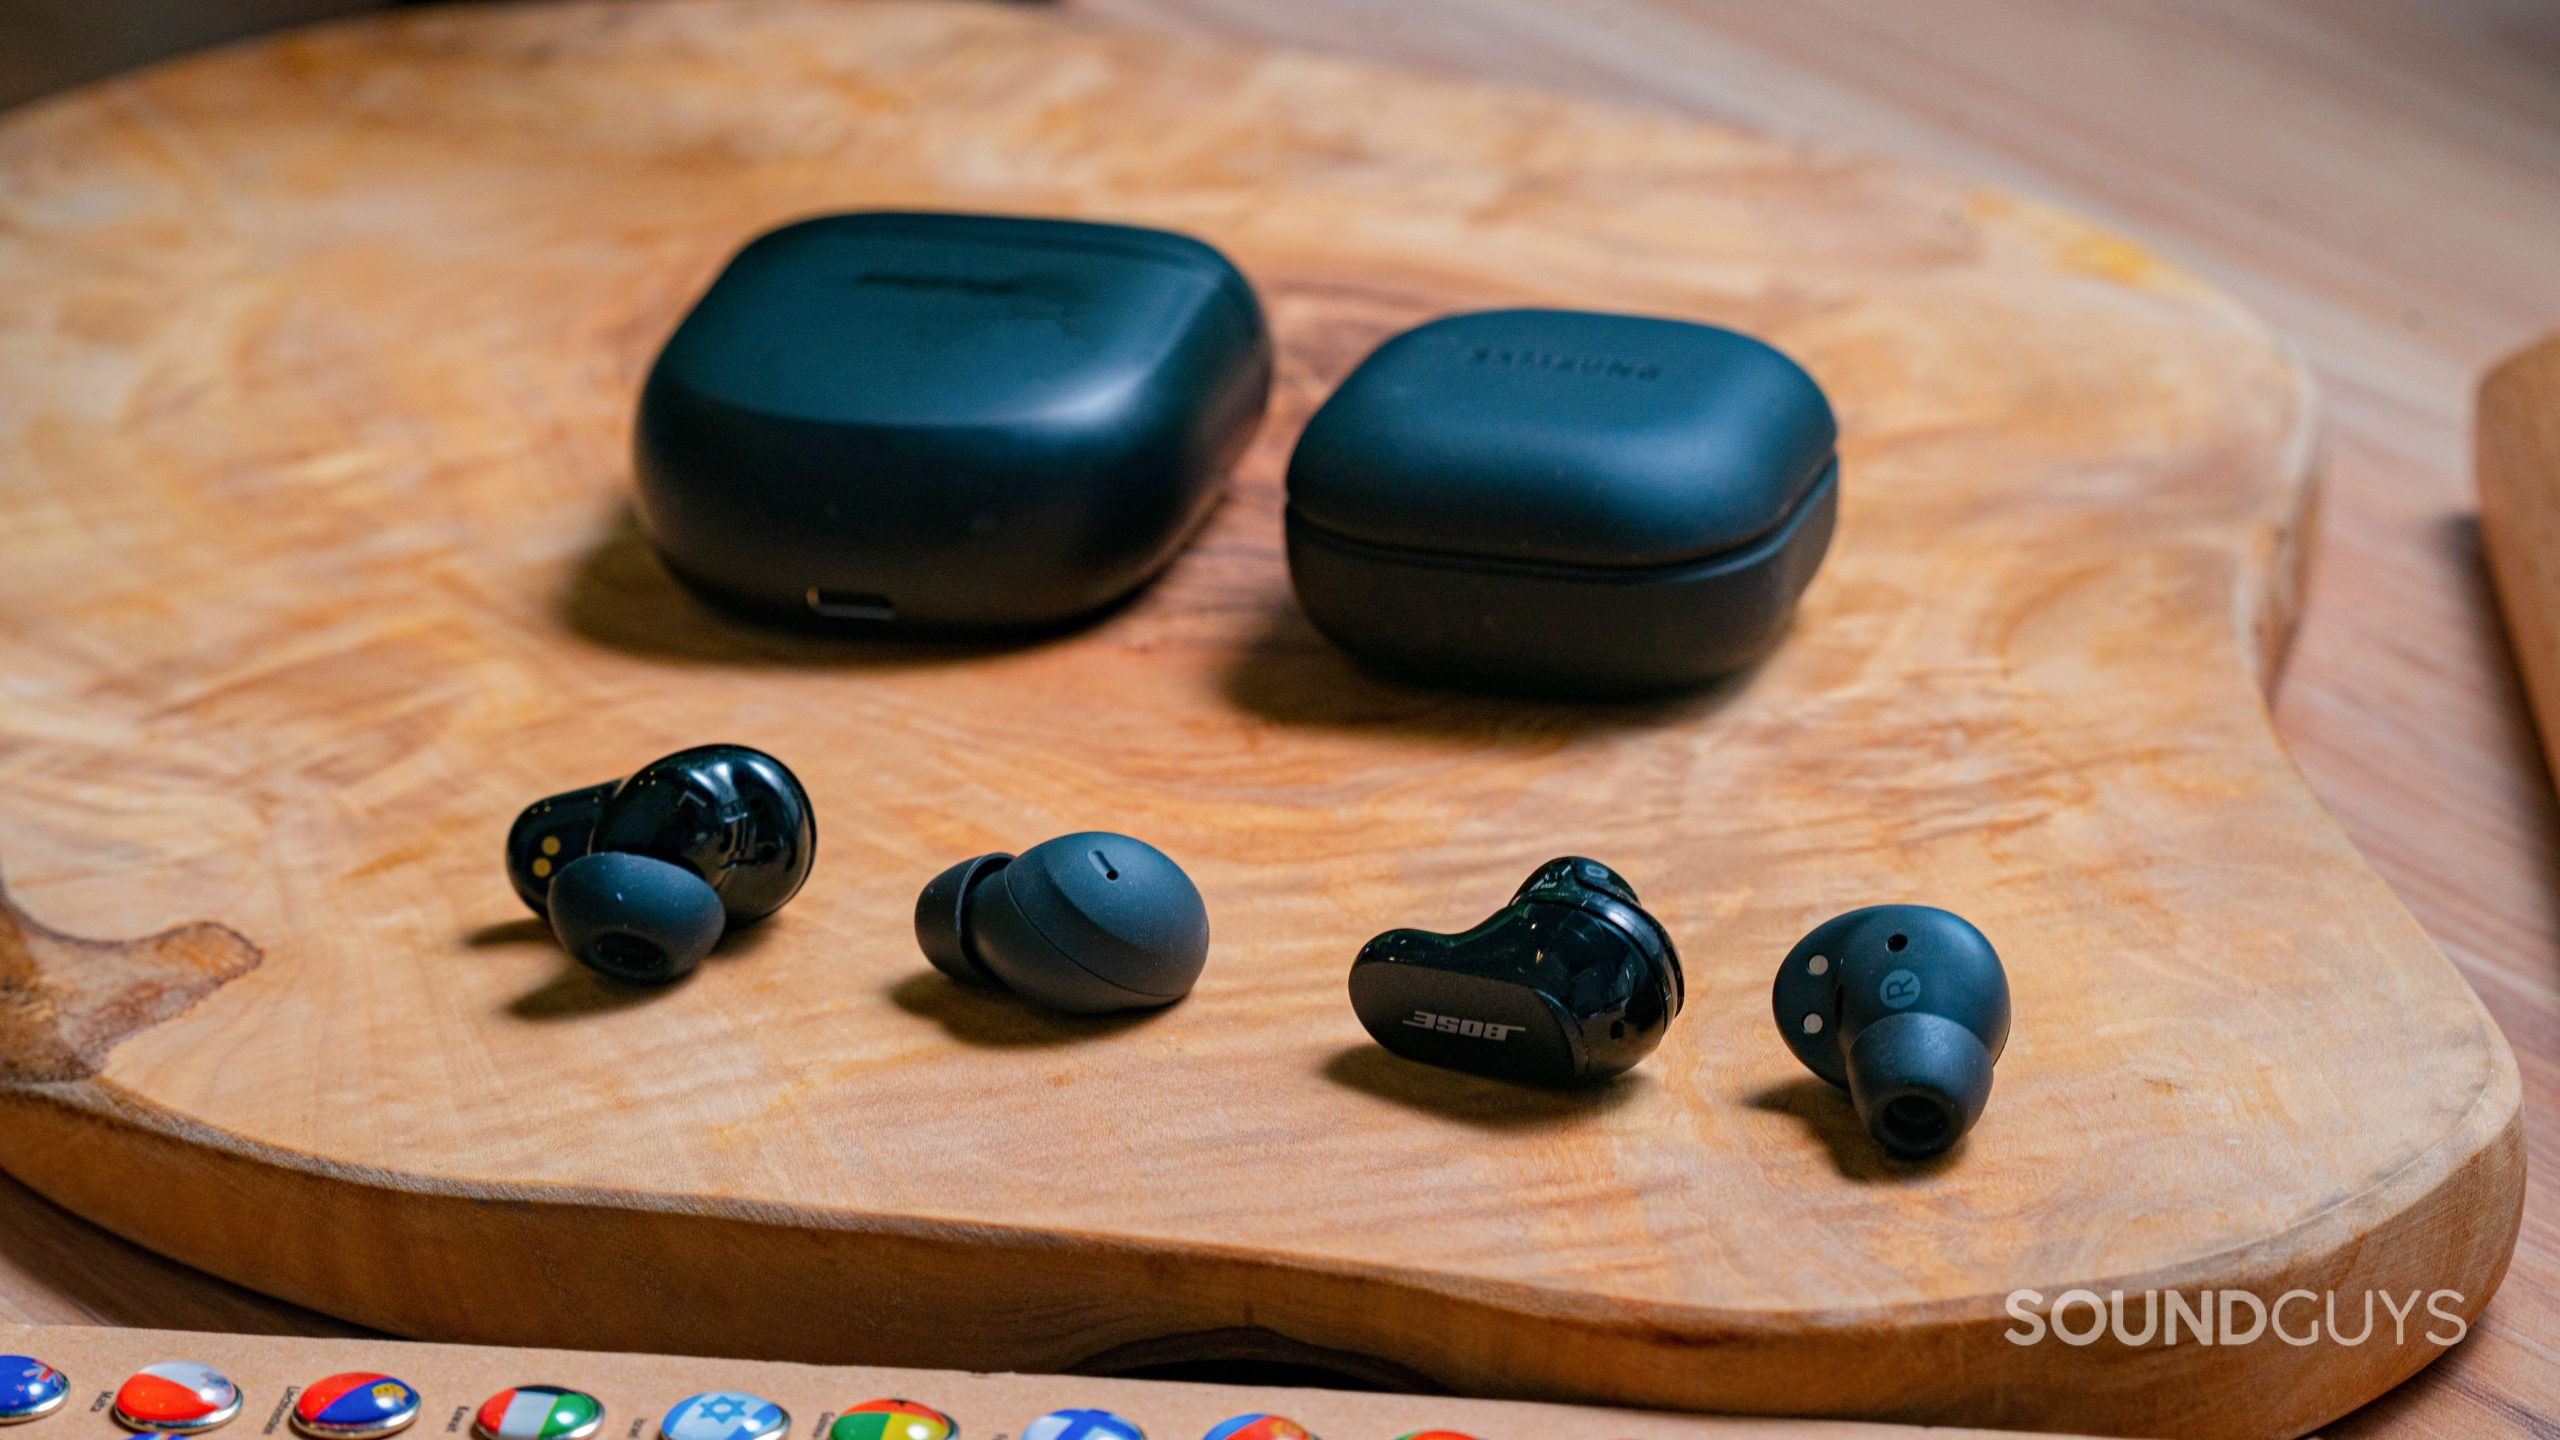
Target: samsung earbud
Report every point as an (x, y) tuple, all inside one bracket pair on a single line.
[(1571, 981), (1085, 923), (1906, 1008), (640, 877)]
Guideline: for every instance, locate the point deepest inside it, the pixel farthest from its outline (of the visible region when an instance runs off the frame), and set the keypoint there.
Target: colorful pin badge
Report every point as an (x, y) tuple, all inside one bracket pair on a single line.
[(359, 1405), (1259, 1427), (1436, 1435), (892, 1420), (724, 1415), (538, 1412), (177, 1395), (1081, 1425), (29, 1389)]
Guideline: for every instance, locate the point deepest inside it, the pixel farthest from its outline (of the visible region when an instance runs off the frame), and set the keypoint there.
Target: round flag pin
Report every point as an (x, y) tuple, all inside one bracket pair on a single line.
[(359, 1405), (29, 1389), (724, 1415), (1259, 1427), (1081, 1425), (176, 1395), (538, 1412), (892, 1420)]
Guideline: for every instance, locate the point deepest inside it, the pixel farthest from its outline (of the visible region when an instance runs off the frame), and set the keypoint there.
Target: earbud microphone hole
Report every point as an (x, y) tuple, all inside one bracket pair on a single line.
[(1897, 942)]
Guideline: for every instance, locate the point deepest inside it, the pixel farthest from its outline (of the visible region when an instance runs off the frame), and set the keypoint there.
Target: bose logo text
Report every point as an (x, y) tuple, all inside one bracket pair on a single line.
[(1454, 1025)]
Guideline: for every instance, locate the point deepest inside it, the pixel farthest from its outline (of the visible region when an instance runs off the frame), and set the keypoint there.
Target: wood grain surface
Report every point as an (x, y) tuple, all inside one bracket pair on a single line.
[(453, 1380), (2381, 179), (2518, 444), (1432, 283)]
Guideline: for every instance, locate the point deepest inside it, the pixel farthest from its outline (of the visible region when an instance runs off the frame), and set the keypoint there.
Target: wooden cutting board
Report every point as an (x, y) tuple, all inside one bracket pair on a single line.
[(635, 1390), (316, 564)]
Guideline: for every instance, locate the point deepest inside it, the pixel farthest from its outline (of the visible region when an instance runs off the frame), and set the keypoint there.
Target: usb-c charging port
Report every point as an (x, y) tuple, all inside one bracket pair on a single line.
[(850, 605)]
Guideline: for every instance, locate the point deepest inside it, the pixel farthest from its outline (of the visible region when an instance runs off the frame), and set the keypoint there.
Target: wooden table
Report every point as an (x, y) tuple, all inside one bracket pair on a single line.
[(2377, 182)]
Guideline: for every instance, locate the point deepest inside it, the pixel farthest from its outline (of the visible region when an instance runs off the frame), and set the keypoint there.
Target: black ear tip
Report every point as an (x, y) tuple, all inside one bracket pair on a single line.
[(1919, 1082), (1916, 1125), (635, 919), (941, 913)]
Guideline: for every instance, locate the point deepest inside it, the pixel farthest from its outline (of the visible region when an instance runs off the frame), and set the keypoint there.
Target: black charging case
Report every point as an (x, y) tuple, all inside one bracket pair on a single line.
[(1562, 502), (938, 420)]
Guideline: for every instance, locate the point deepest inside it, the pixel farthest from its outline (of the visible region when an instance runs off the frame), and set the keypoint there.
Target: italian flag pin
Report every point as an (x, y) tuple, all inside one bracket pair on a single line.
[(538, 1412)]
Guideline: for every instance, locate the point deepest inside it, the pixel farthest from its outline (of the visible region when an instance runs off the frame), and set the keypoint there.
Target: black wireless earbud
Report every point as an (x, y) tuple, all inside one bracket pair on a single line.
[(641, 877), (1905, 1007), (1085, 923), (1570, 981)]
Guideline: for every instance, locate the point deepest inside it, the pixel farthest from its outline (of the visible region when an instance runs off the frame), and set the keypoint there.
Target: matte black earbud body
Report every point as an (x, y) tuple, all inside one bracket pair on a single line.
[(1086, 923), (1571, 981), (1906, 1007), (640, 877)]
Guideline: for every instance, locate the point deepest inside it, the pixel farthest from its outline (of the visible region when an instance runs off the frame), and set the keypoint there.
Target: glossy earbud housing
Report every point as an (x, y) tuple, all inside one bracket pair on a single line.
[(1906, 1007), (640, 877), (1572, 981), (1087, 923)]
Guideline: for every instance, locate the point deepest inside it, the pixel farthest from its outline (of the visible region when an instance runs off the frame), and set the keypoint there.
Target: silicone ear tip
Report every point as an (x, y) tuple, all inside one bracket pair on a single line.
[(940, 915), (1919, 1082), (635, 919)]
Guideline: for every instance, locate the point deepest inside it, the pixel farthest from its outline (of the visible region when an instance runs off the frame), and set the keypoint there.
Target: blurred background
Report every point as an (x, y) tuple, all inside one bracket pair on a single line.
[(49, 45)]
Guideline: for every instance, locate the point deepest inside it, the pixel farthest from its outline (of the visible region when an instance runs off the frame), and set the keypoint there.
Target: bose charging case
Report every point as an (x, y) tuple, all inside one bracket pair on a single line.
[(1555, 501), (966, 421)]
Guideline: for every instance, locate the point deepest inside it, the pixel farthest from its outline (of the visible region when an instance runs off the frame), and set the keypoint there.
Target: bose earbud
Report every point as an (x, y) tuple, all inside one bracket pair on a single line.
[(1085, 923), (1906, 1008), (640, 877), (1571, 981)]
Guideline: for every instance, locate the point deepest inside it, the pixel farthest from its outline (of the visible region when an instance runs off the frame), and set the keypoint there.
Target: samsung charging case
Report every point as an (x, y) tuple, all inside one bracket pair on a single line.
[(947, 421), (1560, 502)]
